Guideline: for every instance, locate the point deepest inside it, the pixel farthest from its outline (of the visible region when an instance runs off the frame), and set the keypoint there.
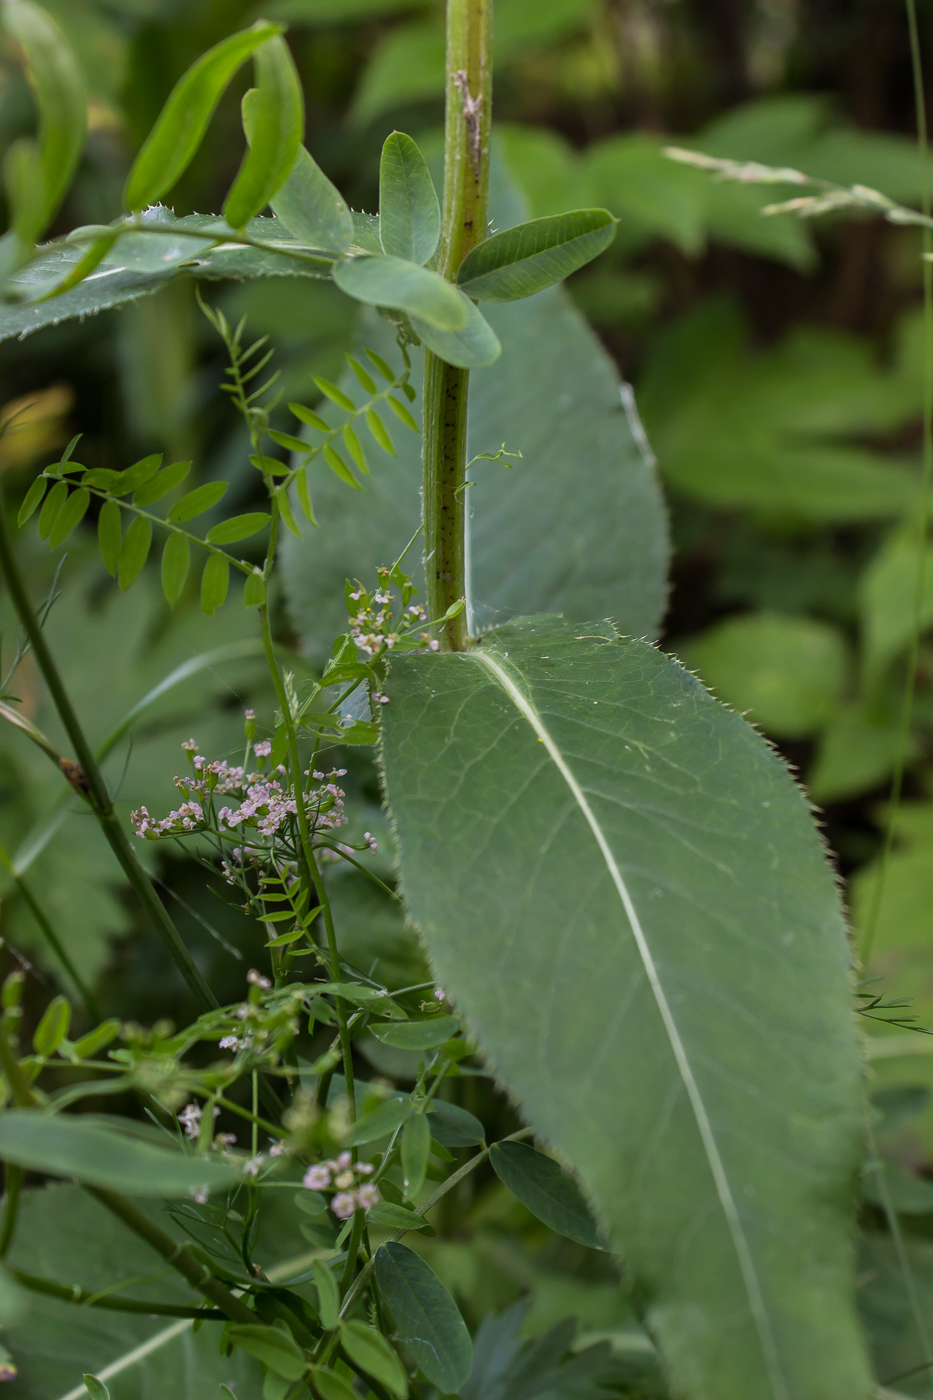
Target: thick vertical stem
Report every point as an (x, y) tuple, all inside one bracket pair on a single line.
[(446, 388)]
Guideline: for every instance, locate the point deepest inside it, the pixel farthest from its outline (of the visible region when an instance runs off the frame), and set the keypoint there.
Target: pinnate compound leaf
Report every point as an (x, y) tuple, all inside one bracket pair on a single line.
[(196, 502), (70, 516), (426, 1316), (215, 581), (474, 347), (110, 536), (273, 1346), (547, 1191), (453, 1126), (409, 212), (330, 1386), (238, 527), (312, 208), (529, 257), (32, 500), (176, 561), (370, 1352), (161, 484), (273, 115), (636, 881), (391, 281), (328, 1294), (135, 552), (95, 1153), (179, 131)]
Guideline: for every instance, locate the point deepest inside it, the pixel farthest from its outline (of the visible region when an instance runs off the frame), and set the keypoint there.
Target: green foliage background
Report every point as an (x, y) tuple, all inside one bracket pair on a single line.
[(777, 368)]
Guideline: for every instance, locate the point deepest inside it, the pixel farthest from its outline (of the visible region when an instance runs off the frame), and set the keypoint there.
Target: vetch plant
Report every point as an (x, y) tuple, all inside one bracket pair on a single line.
[(623, 894)]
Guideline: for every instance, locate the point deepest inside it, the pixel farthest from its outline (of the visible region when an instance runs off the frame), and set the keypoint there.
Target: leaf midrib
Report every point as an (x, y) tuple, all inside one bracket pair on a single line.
[(506, 679)]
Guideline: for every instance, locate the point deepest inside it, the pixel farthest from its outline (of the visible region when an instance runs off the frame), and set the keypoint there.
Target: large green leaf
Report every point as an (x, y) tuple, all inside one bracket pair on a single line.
[(274, 113), (525, 259), (94, 1152), (139, 264), (425, 1315), (409, 212), (65, 1236), (626, 897), (576, 527)]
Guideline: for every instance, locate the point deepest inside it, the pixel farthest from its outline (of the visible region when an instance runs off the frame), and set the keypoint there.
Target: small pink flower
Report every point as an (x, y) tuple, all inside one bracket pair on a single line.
[(262, 749), (316, 1178), (368, 1196), (344, 1159), (343, 1205)]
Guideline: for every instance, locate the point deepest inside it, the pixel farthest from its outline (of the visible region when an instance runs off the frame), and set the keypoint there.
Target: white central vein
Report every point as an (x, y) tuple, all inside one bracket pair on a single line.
[(705, 1127)]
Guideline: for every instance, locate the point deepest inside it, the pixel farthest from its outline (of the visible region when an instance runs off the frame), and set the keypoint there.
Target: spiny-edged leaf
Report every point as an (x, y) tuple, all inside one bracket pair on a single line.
[(416, 1145), (385, 281), (273, 1346), (547, 535), (110, 536), (70, 516), (368, 1350), (161, 484), (634, 879), (273, 115), (453, 1126), (474, 347), (417, 1035), (179, 131), (328, 1294), (238, 527), (199, 500), (32, 500), (62, 100), (176, 561), (529, 257), (65, 1235), (51, 507), (425, 1315), (135, 551), (409, 212), (547, 1191), (215, 581), (93, 1152), (312, 208)]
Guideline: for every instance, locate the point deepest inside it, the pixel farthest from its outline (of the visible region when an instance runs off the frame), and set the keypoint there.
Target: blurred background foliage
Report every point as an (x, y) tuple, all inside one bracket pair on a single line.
[(777, 366)]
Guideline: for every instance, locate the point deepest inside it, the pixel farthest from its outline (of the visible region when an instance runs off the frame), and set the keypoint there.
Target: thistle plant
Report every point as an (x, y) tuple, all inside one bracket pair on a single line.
[(629, 916)]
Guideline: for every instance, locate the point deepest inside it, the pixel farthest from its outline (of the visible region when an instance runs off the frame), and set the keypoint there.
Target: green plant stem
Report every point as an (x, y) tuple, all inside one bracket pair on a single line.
[(313, 874), (88, 780), (13, 1183), (82, 1298), (180, 1257), (51, 937), (446, 388)]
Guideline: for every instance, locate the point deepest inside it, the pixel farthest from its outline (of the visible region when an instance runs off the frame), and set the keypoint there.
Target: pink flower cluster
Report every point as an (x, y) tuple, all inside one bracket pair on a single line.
[(265, 804), (342, 1174)]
